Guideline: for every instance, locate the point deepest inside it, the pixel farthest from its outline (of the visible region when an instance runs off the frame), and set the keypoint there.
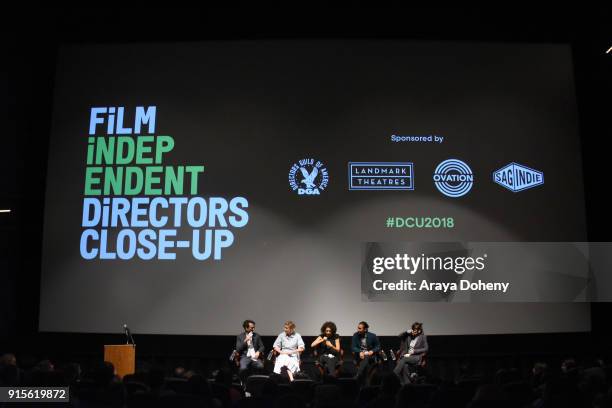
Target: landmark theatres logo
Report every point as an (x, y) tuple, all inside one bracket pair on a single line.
[(308, 177), (381, 176), (453, 178)]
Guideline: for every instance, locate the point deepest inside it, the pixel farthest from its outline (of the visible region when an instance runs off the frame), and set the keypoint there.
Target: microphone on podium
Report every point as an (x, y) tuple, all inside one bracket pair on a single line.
[(128, 335)]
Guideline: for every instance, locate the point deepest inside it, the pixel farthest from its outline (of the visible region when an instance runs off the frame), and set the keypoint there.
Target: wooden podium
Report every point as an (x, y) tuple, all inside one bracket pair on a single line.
[(123, 357)]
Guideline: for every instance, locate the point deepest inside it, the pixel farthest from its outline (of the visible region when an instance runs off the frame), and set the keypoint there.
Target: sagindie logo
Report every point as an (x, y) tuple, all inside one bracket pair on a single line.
[(308, 177), (453, 178), (516, 177)]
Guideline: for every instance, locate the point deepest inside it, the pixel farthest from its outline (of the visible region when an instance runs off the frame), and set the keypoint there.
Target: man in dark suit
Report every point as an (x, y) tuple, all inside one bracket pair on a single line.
[(250, 348), (412, 351), (365, 347)]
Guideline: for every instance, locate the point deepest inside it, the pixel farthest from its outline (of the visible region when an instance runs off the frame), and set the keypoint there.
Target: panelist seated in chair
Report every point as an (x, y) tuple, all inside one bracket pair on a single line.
[(327, 348), (365, 347), (250, 348), (413, 350), (288, 345)]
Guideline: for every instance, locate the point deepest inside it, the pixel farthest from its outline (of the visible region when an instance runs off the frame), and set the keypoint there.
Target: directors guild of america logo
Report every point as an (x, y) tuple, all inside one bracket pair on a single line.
[(308, 177)]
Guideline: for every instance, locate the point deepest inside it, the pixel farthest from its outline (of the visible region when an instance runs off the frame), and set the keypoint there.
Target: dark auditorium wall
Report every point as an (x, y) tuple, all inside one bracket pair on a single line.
[(8, 196), (593, 72), (28, 64)]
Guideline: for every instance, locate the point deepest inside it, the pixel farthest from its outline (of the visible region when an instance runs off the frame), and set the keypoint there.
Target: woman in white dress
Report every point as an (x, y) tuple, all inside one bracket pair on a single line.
[(288, 345)]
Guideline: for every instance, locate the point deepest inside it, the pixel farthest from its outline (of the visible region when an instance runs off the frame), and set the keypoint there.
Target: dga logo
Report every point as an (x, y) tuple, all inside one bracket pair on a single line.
[(308, 177), (453, 178), (381, 176), (516, 177)]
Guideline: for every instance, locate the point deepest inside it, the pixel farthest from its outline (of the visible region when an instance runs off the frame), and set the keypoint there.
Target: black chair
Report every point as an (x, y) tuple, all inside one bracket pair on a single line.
[(180, 401), (255, 383), (367, 394), (423, 363), (284, 389), (133, 387), (349, 387), (221, 392), (178, 385), (143, 400), (304, 388)]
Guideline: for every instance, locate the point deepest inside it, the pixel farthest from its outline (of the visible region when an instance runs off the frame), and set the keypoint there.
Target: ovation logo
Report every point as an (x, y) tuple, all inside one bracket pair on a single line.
[(453, 178)]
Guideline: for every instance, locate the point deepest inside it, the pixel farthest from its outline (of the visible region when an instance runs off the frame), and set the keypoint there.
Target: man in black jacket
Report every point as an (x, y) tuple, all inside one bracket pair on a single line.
[(365, 347), (250, 348), (412, 351)]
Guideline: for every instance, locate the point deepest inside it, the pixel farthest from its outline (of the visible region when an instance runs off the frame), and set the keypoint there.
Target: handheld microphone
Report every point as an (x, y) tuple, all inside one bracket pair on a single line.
[(383, 354), (392, 355), (233, 355), (270, 354)]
